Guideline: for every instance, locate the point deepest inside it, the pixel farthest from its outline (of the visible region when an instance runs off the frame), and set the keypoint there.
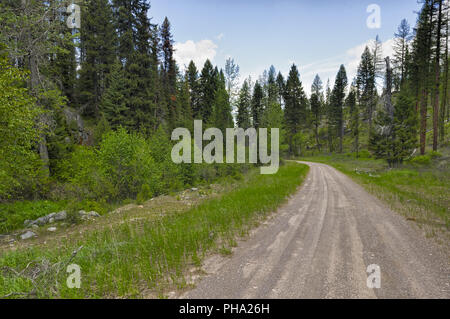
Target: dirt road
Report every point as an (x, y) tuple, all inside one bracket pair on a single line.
[(320, 244)]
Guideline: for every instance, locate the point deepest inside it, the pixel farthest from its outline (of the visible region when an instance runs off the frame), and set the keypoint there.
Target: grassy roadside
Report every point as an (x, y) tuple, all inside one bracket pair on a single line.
[(420, 193), (131, 259)]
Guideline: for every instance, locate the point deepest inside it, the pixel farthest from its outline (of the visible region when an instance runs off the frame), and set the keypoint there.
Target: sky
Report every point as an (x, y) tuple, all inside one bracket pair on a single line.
[(318, 36)]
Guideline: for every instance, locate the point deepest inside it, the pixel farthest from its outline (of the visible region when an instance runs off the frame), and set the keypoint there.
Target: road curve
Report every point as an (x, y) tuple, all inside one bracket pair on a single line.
[(320, 244)]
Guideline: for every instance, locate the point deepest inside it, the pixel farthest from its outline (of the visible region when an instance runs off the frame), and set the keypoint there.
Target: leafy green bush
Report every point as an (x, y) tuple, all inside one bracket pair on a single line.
[(421, 160), (13, 215), (20, 168), (145, 194)]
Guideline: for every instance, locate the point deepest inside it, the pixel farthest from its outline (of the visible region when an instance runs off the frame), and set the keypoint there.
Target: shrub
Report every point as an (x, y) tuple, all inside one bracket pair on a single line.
[(421, 160), (145, 194)]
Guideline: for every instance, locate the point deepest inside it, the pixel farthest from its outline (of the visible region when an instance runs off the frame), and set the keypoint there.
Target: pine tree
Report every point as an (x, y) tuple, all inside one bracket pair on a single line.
[(184, 104), (114, 100), (168, 71), (444, 101), (337, 103), (222, 118), (437, 72), (317, 107), (257, 106), (192, 77), (401, 44), (207, 92), (421, 60), (98, 42), (315, 110), (295, 109), (281, 87), (244, 106), (354, 117), (366, 86)]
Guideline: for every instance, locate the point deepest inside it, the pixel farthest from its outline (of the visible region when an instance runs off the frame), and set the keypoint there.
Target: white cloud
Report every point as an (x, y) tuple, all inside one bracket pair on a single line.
[(198, 52), (220, 36), (328, 68)]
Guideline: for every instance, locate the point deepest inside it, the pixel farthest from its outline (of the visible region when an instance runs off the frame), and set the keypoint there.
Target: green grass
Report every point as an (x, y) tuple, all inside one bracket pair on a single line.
[(134, 259), (12, 215), (419, 191)]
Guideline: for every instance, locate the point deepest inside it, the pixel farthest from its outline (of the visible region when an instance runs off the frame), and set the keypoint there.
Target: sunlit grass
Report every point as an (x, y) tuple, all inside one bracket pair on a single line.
[(134, 258)]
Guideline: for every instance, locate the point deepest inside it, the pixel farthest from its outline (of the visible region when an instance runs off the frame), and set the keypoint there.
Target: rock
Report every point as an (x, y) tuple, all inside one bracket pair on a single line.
[(51, 220), (82, 213), (194, 189), (93, 214), (34, 226), (51, 229), (140, 206), (41, 221), (28, 223), (27, 235), (60, 216)]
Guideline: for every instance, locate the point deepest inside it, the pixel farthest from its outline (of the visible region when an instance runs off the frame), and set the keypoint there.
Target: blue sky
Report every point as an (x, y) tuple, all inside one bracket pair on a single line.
[(318, 36)]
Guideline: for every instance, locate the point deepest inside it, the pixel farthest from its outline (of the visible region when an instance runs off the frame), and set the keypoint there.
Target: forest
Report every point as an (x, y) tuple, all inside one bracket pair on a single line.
[(87, 113)]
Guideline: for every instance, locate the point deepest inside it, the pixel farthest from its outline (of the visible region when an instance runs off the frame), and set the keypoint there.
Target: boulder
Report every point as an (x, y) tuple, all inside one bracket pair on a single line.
[(41, 221), (93, 214), (51, 229), (82, 213), (60, 216), (27, 235), (28, 223)]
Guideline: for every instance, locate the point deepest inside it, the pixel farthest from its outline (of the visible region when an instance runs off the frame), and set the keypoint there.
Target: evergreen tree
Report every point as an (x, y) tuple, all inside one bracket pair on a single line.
[(193, 80), (281, 87), (295, 109), (366, 86), (184, 104), (437, 72), (317, 107), (222, 118), (421, 59), (98, 43), (168, 71), (114, 101), (244, 106), (207, 91), (354, 116), (401, 44), (257, 106), (336, 105), (315, 110)]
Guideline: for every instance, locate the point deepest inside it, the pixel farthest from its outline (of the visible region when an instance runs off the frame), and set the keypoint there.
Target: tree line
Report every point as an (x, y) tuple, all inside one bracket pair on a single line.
[(118, 72)]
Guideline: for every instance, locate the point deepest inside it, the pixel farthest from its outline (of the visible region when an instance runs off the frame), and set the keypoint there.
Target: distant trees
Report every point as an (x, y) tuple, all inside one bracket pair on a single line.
[(395, 136), (244, 106), (365, 82), (295, 110), (336, 106), (354, 126), (401, 53), (316, 103)]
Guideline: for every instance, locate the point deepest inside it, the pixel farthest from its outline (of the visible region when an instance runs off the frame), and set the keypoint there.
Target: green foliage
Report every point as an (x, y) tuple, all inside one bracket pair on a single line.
[(295, 109), (13, 215), (395, 139), (20, 173), (144, 194), (421, 160), (173, 241)]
